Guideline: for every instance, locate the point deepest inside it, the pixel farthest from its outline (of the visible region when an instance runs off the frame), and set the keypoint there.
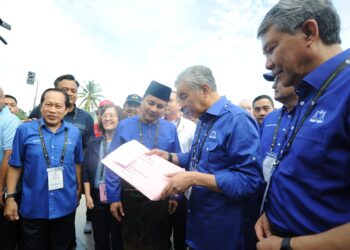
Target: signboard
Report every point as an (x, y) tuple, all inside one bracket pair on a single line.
[(31, 78)]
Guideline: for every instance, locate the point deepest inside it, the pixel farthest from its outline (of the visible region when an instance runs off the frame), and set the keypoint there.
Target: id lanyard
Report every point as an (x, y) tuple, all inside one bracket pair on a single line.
[(101, 182), (46, 155), (105, 151), (197, 149), (54, 174), (311, 107), (155, 136)]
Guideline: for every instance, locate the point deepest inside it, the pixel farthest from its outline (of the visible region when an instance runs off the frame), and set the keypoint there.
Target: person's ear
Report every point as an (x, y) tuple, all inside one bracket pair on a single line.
[(205, 88), (310, 30)]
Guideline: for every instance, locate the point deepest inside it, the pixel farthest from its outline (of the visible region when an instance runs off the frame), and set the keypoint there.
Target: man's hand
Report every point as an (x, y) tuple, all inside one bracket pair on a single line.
[(172, 206), (270, 243), (262, 228), (158, 152), (11, 209), (117, 211), (178, 183)]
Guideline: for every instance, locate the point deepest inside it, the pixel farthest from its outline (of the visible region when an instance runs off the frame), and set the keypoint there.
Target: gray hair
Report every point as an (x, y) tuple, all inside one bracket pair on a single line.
[(195, 76), (289, 15)]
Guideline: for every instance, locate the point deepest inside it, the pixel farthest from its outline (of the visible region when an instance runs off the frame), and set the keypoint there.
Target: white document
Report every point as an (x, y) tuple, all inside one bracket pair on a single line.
[(146, 173)]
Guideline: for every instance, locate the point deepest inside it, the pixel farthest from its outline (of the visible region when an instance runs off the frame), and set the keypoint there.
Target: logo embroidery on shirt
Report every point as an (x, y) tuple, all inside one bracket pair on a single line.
[(212, 134), (318, 117)]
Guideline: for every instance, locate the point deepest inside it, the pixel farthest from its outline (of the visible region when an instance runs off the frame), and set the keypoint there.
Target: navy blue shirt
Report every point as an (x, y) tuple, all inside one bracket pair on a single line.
[(79, 118), (232, 153), (310, 189), (37, 201)]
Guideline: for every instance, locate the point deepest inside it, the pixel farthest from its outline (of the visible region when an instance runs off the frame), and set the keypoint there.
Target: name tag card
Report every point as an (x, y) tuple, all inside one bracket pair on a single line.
[(103, 194), (269, 166), (55, 178)]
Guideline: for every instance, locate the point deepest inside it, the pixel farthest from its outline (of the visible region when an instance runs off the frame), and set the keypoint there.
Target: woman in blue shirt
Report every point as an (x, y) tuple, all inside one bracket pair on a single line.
[(105, 227)]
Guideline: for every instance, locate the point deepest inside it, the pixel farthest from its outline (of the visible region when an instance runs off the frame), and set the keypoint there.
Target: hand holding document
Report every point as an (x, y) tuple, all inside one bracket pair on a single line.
[(145, 172)]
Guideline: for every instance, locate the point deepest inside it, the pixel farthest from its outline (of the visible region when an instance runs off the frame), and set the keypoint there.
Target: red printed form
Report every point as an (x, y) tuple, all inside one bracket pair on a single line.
[(146, 173)]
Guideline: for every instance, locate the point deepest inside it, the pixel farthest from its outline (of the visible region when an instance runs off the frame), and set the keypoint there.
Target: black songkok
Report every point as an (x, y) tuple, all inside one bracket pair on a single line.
[(158, 90)]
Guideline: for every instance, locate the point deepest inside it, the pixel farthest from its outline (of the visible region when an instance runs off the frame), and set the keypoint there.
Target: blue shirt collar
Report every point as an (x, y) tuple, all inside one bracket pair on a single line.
[(215, 109), (319, 75), (43, 124)]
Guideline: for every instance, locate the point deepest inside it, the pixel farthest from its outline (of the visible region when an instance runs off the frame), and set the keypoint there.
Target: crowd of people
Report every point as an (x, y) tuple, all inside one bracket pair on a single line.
[(256, 177)]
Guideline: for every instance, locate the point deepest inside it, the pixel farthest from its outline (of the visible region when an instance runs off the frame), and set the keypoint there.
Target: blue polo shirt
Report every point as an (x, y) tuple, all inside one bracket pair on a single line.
[(37, 201), (231, 152), (310, 189)]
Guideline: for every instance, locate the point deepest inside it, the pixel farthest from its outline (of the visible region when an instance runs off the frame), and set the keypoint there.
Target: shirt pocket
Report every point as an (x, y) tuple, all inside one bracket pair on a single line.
[(308, 149), (214, 156)]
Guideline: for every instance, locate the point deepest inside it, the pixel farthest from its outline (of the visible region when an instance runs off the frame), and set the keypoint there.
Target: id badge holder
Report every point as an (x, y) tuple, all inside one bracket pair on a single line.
[(55, 178), (188, 193), (269, 165), (103, 193)]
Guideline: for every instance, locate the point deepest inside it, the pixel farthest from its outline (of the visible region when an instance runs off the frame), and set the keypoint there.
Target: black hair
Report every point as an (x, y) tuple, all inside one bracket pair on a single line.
[(66, 98), (263, 97), (119, 111), (65, 77), (12, 97)]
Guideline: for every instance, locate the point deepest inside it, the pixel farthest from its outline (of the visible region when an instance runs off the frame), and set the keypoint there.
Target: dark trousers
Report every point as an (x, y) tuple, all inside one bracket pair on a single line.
[(44, 234), (10, 231), (178, 225), (106, 228)]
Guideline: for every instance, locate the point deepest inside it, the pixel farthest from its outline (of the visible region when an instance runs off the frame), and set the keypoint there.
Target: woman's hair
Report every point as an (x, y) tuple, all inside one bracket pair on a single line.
[(103, 109)]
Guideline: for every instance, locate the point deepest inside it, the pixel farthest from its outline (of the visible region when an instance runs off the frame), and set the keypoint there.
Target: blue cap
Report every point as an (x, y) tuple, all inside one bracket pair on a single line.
[(134, 98), (269, 77)]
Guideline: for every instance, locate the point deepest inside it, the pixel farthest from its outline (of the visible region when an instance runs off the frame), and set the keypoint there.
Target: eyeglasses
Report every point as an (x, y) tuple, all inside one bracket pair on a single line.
[(106, 116)]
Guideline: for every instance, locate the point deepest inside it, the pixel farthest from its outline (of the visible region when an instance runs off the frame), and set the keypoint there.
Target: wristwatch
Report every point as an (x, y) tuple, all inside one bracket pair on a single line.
[(285, 245), (6, 196)]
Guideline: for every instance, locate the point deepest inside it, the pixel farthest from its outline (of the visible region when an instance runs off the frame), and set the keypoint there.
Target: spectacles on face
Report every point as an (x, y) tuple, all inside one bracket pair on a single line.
[(108, 116)]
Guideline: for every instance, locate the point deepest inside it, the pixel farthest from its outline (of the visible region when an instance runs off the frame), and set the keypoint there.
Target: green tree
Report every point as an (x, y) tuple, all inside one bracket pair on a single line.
[(21, 114), (91, 96)]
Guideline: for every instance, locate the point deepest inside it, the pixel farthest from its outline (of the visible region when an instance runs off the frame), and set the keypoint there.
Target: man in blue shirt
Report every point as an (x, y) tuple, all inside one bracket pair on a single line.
[(145, 223), (47, 154), (308, 205), (78, 117), (262, 106), (224, 178), (9, 231), (277, 124)]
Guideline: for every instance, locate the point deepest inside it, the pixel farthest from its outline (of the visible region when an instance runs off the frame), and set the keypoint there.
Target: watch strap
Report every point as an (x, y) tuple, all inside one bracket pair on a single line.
[(285, 245), (13, 195)]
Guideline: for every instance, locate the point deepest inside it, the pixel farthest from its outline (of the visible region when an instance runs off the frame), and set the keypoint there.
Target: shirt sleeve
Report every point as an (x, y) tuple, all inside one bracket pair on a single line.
[(245, 175), (8, 133), (78, 153), (177, 147), (184, 160), (17, 156), (89, 132)]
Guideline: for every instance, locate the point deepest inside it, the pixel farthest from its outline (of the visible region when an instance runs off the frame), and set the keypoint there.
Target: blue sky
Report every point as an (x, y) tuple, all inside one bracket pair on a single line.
[(123, 45)]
